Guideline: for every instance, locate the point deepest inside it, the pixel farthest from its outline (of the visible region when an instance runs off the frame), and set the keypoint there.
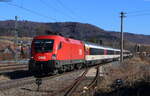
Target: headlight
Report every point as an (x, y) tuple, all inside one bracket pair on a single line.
[(54, 57), (41, 57), (31, 57)]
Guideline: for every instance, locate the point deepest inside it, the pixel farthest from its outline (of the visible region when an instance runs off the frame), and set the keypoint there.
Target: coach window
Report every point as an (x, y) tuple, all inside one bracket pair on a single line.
[(94, 51), (60, 45), (110, 52), (117, 52)]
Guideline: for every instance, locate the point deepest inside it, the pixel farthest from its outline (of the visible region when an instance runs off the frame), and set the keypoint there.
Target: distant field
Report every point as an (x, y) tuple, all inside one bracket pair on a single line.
[(19, 38)]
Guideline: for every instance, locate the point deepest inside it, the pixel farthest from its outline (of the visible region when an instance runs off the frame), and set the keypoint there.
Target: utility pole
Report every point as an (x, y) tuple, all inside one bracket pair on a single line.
[(16, 38), (121, 36)]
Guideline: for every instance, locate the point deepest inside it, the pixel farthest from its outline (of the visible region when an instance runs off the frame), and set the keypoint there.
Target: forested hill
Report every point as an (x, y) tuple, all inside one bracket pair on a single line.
[(68, 29)]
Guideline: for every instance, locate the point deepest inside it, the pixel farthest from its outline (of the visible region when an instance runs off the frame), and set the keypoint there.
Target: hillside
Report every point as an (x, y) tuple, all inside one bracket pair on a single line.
[(136, 38), (69, 29)]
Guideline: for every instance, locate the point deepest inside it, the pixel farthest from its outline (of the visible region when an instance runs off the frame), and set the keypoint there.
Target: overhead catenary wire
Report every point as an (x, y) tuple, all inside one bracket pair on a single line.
[(1, 17), (55, 9), (22, 3), (138, 13), (64, 6), (32, 11), (68, 9)]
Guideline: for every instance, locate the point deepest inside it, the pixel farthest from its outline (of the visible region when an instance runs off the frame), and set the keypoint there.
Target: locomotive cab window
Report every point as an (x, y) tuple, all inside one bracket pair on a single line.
[(43, 45)]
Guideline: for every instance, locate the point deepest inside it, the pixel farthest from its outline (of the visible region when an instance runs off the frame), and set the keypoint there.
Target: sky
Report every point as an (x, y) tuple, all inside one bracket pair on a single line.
[(102, 13)]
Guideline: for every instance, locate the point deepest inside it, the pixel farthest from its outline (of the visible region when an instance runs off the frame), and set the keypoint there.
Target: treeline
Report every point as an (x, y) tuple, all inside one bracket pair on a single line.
[(81, 31)]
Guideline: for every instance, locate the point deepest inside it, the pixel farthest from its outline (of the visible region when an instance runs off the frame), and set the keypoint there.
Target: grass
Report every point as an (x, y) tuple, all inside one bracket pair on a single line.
[(131, 71)]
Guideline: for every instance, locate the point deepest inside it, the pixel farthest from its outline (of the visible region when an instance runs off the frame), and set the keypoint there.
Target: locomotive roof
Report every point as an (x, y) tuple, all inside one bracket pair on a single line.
[(65, 39), (93, 45)]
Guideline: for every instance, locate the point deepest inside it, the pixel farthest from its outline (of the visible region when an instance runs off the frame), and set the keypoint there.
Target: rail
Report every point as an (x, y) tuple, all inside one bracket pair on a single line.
[(74, 85), (95, 80), (24, 81), (12, 67)]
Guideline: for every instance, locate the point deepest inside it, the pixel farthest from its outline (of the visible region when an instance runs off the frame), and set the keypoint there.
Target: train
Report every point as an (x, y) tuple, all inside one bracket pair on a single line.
[(54, 53)]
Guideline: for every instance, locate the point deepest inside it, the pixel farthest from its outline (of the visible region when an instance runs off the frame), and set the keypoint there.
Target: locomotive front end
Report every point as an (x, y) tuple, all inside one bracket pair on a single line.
[(43, 55)]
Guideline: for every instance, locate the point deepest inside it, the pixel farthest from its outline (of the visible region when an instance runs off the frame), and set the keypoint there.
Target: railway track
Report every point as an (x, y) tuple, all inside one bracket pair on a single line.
[(20, 82), (8, 65), (13, 61), (93, 83), (71, 89), (15, 83), (29, 80), (75, 84), (12, 67)]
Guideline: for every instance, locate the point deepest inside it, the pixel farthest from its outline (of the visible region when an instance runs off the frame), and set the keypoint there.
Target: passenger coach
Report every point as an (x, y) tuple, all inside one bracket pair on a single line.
[(98, 54)]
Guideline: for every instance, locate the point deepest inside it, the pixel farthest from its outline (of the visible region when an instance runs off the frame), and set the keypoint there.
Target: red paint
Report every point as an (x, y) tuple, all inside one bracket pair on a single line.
[(105, 52), (71, 49)]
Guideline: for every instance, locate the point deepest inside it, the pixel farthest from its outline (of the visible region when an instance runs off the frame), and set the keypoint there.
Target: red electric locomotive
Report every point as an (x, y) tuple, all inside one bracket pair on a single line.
[(52, 53)]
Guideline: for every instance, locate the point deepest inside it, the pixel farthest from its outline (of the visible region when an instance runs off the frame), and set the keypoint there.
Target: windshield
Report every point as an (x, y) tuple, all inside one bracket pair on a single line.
[(43, 45)]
